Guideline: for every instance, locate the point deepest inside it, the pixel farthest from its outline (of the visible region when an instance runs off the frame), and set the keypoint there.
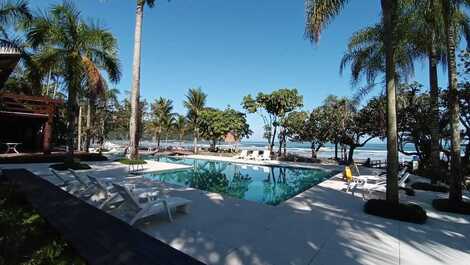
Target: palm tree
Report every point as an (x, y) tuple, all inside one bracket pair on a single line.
[(163, 117), (65, 41), (12, 13), (109, 102), (180, 126), (195, 103), (135, 93), (319, 14), (449, 9)]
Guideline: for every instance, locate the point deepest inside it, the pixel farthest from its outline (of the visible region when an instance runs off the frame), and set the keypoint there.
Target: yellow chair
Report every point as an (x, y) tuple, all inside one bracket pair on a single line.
[(347, 174)]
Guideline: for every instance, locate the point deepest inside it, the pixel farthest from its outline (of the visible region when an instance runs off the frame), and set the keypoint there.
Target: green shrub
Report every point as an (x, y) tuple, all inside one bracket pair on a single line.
[(429, 187), (25, 237), (445, 206), (126, 161), (404, 212)]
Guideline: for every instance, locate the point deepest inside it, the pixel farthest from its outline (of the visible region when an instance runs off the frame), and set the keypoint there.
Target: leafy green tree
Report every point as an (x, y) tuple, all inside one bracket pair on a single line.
[(195, 103), (53, 33), (319, 14), (273, 108), (135, 92), (215, 124), (364, 125), (313, 128), (340, 111)]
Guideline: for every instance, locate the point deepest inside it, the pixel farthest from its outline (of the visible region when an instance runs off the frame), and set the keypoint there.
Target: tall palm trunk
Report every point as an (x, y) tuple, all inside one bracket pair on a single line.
[(434, 104), (135, 96), (196, 133), (389, 19), (89, 121), (79, 135), (455, 192), (72, 107)]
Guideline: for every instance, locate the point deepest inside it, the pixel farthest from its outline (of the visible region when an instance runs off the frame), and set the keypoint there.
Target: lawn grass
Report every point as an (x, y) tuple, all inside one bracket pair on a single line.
[(127, 161), (445, 205), (404, 212), (25, 237), (429, 187)]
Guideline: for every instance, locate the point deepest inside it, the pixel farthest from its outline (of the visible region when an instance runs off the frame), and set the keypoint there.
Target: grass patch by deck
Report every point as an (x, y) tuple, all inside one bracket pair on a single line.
[(404, 212), (445, 205), (429, 187), (26, 238), (126, 161)]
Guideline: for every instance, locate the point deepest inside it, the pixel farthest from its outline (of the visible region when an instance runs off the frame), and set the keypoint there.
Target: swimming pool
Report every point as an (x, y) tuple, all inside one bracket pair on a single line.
[(262, 184)]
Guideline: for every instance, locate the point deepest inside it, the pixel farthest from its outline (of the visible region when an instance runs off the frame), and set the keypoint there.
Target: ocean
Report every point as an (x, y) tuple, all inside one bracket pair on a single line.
[(374, 151)]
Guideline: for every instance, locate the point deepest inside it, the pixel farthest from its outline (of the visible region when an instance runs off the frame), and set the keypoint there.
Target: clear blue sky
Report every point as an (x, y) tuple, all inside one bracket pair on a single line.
[(233, 48)]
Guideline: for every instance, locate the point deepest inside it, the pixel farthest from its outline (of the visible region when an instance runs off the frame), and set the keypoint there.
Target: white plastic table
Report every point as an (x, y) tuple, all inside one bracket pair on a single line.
[(12, 147)]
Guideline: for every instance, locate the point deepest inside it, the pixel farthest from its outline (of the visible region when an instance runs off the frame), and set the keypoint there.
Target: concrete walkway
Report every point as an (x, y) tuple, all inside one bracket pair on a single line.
[(320, 226), (323, 225)]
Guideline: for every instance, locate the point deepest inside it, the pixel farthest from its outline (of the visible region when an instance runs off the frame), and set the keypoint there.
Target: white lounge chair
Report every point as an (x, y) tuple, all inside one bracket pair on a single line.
[(254, 155), (67, 184), (266, 155), (151, 208), (242, 155), (64, 181), (381, 187)]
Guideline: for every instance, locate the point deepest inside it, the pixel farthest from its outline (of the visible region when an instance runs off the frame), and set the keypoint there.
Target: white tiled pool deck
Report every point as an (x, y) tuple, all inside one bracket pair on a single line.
[(323, 225)]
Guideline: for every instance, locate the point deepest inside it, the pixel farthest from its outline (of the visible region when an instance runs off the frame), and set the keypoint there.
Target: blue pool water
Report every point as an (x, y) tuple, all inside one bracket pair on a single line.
[(268, 185)]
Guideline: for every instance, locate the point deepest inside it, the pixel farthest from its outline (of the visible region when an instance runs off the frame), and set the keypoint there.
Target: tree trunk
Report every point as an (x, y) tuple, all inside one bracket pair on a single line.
[(285, 145), (195, 135), (350, 155), (102, 131), (158, 141), (72, 107), (90, 112), (389, 18), (135, 94), (281, 141), (336, 151), (314, 150), (434, 102), (79, 135), (455, 192), (273, 138)]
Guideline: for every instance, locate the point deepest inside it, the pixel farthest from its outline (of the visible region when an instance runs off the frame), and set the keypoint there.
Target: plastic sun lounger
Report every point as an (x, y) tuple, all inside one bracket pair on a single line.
[(151, 208), (67, 184), (242, 155), (110, 196), (254, 155), (266, 155), (382, 186)]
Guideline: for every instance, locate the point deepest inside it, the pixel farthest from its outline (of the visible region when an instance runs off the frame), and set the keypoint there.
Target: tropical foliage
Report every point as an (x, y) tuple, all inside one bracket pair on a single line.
[(273, 108)]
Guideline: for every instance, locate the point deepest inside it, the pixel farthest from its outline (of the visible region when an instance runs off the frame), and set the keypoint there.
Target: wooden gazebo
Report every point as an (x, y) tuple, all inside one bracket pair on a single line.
[(24, 119), (27, 120)]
